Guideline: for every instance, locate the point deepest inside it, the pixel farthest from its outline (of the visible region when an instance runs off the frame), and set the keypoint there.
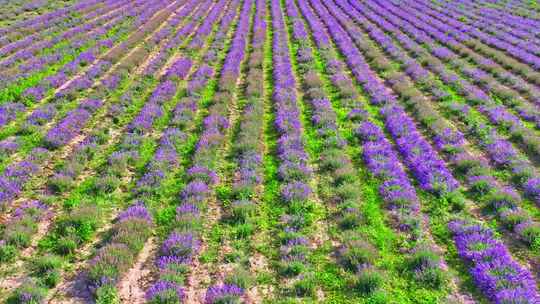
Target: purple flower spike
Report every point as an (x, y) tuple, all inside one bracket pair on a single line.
[(165, 292), (182, 245), (135, 211), (227, 293)]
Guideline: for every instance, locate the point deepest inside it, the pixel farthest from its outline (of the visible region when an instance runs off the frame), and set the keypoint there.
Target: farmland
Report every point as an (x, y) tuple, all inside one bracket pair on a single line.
[(269, 151)]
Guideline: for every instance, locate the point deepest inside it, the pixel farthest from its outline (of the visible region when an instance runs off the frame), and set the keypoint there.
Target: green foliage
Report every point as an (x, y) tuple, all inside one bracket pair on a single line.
[(74, 228), (7, 253), (47, 269), (368, 281), (28, 293), (241, 277), (107, 294)]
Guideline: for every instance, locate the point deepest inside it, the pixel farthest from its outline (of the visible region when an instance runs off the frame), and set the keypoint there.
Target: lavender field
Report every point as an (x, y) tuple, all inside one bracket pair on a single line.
[(269, 151)]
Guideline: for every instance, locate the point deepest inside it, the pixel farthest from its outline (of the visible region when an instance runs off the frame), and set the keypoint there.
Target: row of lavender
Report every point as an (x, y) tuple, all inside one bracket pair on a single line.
[(59, 135), (35, 73), (74, 164), (241, 207), (42, 22), (179, 250), (398, 193), (501, 152), (295, 171), (64, 240), (154, 113), (339, 185), (374, 87), (36, 119)]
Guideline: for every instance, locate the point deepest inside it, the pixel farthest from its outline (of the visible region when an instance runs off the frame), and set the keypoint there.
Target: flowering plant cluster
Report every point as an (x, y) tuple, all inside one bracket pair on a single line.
[(164, 36), (499, 149), (179, 69), (71, 125), (496, 273), (16, 175), (226, 293), (133, 226), (343, 184), (153, 109), (36, 88), (183, 243), (18, 231), (503, 200), (294, 169)]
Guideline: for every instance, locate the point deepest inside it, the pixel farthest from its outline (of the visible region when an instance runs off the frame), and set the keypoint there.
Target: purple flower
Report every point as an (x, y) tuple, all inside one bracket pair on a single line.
[(183, 245), (496, 273), (9, 111), (501, 151), (111, 82), (195, 192), (68, 128), (137, 210), (166, 262), (204, 174), (151, 179), (42, 115), (295, 192), (190, 209), (35, 93), (56, 80), (226, 293), (8, 146), (179, 69), (532, 188), (30, 207), (163, 291)]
